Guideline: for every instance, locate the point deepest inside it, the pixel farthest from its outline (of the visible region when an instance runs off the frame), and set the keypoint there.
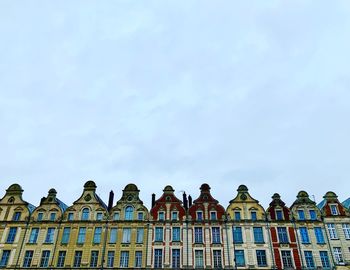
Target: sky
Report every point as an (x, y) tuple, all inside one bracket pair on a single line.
[(175, 93)]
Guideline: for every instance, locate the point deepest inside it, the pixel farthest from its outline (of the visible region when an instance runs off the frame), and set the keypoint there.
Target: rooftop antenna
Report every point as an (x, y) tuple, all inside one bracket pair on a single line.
[(313, 196)]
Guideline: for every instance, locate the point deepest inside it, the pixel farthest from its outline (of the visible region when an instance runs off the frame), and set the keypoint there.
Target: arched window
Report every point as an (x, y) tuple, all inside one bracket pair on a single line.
[(85, 214), (129, 213)]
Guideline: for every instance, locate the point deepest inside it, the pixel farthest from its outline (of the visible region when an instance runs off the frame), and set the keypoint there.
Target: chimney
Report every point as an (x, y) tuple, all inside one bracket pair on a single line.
[(189, 201), (184, 198), (153, 199), (110, 200)]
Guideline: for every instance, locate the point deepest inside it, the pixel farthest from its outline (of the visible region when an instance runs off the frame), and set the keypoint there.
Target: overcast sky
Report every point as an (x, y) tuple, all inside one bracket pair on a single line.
[(175, 92)]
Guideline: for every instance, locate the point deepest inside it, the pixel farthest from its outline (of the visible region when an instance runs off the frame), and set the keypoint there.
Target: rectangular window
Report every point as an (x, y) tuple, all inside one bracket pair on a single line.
[(213, 215), (287, 259), (16, 216), (97, 235), (334, 209), (94, 258), (126, 235), (338, 255), (301, 214), (5, 258), (140, 216), (161, 215), (33, 235), (332, 231), (110, 259), (139, 235), (312, 214), (261, 258), (45, 256), (138, 259), (65, 235), (199, 215), (216, 235), (174, 215), (325, 259), (116, 216), (12, 235), (239, 257), (304, 235), (52, 216), (319, 235), (309, 259), (198, 235), (159, 234), (199, 261), (113, 235), (237, 216), (50, 235), (40, 216), (81, 235), (175, 263), (346, 229), (77, 258), (253, 214), (282, 234), (258, 235), (176, 233), (99, 216), (61, 258), (237, 235), (28, 256), (158, 258), (217, 259), (279, 215), (70, 216)]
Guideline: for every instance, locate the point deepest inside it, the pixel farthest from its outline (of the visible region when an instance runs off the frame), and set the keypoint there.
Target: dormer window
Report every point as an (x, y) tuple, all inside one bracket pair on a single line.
[(301, 214), (253, 215), (199, 215), (213, 215), (52, 216), (140, 216), (334, 209), (279, 215), (40, 216), (313, 215), (174, 215), (160, 215), (116, 216), (99, 216), (129, 213), (16, 216), (70, 216), (237, 215), (85, 214)]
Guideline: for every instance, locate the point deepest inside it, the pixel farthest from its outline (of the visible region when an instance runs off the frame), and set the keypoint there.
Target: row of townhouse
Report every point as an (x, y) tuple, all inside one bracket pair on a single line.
[(174, 234)]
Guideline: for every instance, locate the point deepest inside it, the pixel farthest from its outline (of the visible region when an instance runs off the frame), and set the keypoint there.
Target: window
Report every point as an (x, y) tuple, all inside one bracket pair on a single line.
[(65, 235), (176, 233), (77, 258), (158, 258), (338, 255), (16, 216), (129, 213), (279, 215), (198, 254), (110, 258), (97, 235), (45, 256), (258, 235), (174, 215), (301, 214), (50, 235), (116, 216), (40, 216), (334, 209), (161, 215), (126, 235), (52, 216), (199, 215), (313, 215), (159, 234), (138, 258), (332, 231), (287, 259), (99, 216), (175, 263), (325, 259), (216, 235), (213, 215), (304, 235), (94, 258), (253, 215), (113, 235), (237, 235), (85, 214), (198, 235), (5, 258), (140, 216), (261, 258), (12, 235), (139, 235), (61, 258), (217, 259), (70, 216), (81, 235), (282, 234), (319, 235), (346, 229), (124, 259), (309, 259), (33, 235), (239, 258), (28, 256), (237, 215)]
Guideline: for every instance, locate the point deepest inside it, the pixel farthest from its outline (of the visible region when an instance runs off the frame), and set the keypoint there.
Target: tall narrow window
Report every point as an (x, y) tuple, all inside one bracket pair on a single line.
[(282, 234), (309, 259), (198, 235), (12, 235), (199, 261), (161, 216), (334, 209), (52, 216), (126, 235), (65, 235), (5, 258), (174, 215), (61, 258), (199, 215), (159, 234), (217, 259), (175, 263), (139, 235), (50, 235), (85, 214), (99, 216), (97, 235), (213, 215), (319, 235), (70, 216), (124, 259), (346, 230), (129, 213), (138, 259), (33, 235), (158, 258), (45, 256), (28, 256), (312, 214), (77, 258), (304, 235), (16, 216), (279, 215), (332, 231), (239, 256), (325, 259), (253, 215), (338, 254), (261, 258), (140, 216), (237, 216), (81, 235), (237, 235), (94, 258), (258, 235), (113, 235), (116, 216), (40, 216), (216, 235), (110, 258), (286, 259), (301, 214), (176, 234)]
